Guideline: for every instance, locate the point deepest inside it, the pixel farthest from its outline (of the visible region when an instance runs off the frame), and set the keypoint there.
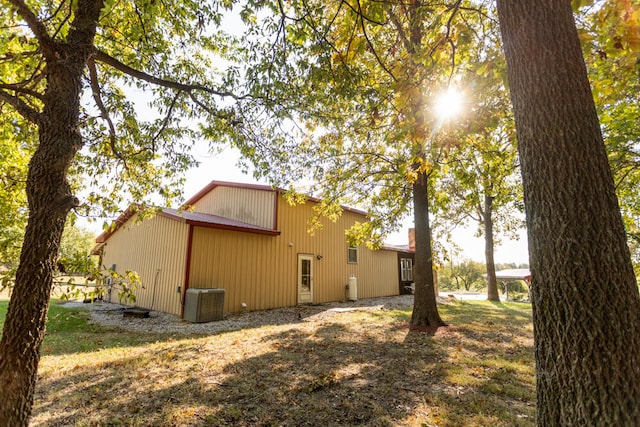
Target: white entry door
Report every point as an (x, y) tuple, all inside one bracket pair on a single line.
[(305, 279)]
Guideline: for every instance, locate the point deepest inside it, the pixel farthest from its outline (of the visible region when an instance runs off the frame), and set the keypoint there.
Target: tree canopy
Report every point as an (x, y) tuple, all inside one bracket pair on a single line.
[(68, 71), (610, 37), (336, 95), (363, 80), (362, 83)]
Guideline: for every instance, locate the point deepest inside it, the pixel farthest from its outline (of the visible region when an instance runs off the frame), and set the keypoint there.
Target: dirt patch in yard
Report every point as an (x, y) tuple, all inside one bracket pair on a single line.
[(111, 315)]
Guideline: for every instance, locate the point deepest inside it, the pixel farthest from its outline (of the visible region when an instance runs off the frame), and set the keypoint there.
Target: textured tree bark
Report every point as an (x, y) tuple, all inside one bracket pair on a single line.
[(50, 199), (492, 283), (586, 307), (425, 309)]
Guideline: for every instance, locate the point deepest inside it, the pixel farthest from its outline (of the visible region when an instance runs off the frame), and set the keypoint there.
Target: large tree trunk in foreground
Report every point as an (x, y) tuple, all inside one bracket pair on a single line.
[(492, 282), (425, 308), (586, 307), (50, 200)]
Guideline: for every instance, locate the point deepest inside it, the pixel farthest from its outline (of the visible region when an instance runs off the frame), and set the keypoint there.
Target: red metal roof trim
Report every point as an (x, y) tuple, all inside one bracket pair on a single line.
[(261, 187), (215, 221), (213, 184)]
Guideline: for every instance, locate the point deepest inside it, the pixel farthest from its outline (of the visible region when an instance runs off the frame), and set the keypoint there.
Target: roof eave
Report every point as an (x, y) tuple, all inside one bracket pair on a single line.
[(218, 226), (213, 184), (233, 228)]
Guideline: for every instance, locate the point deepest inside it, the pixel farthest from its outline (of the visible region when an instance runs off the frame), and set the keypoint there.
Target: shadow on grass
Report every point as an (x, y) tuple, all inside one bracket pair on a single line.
[(75, 333), (329, 378), (69, 331), (363, 369)]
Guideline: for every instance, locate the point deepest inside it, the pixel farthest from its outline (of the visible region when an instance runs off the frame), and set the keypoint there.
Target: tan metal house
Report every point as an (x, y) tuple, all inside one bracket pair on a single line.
[(249, 241)]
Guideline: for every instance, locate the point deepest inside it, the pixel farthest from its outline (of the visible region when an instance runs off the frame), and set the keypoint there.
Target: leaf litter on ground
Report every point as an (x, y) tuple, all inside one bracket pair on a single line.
[(348, 368)]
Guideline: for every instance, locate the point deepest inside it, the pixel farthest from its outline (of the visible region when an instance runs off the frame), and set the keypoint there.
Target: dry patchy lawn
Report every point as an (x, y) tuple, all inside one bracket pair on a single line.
[(354, 368)]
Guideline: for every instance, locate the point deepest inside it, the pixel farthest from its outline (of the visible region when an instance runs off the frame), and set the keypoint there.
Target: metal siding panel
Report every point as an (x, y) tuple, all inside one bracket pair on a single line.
[(154, 244), (242, 204), (258, 270), (376, 270), (245, 268), (377, 274)]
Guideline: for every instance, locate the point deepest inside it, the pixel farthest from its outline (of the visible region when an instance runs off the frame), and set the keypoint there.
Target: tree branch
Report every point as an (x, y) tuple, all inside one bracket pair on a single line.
[(63, 21), (21, 107), (141, 75), (35, 25), (141, 20), (361, 14), (104, 114), (456, 8), (19, 88), (311, 24), (366, 37), (398, 26), (234, 121), (165, 122), (632, 168)]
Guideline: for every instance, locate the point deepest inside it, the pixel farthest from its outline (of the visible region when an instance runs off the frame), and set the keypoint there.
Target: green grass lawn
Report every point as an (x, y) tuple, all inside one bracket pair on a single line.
[(355, 368)]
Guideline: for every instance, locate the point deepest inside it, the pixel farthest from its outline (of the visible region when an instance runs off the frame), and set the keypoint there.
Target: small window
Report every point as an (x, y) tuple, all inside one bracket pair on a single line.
[(406, 269), (352, 255)]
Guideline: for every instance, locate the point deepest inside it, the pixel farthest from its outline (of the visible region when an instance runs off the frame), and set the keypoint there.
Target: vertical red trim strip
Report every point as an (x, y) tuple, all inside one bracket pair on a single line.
[(187, 269), (275, 210)]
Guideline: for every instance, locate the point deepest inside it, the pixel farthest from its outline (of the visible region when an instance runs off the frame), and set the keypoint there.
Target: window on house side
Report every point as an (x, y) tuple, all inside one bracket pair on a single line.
[(406, 269), (352, 255)]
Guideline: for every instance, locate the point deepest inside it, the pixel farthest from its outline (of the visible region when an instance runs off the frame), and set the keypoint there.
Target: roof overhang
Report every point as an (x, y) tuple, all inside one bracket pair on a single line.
[(215, 221), (398, 248), (514, 274), (97, 249)]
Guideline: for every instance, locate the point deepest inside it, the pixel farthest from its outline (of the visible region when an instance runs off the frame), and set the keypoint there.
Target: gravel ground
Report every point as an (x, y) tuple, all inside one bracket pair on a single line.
[(111, 315)]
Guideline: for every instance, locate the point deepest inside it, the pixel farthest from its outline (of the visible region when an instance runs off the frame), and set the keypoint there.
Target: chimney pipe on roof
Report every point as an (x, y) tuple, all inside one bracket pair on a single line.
[(412, 239)]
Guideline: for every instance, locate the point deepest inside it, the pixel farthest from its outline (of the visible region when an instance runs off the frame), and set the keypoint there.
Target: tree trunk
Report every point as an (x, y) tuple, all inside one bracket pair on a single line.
[(50, 200), (586, 306), (425, 308), (492, 282)]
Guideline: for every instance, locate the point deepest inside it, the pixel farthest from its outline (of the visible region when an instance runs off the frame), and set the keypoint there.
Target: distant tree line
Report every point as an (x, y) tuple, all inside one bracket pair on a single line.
[(469, 275)]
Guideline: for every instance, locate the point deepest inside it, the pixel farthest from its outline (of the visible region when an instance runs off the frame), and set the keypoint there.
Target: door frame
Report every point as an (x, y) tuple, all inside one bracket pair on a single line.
[(304, 297)]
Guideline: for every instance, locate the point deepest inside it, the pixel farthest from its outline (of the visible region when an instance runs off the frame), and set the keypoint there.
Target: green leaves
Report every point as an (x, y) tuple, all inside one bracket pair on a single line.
[(611, 45), (16, 146), (577, 4), (75, 250), (152, 84), (356, 81)]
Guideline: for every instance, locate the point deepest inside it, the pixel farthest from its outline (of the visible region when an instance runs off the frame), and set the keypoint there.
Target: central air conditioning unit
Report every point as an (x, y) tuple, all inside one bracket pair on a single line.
[(203, 305)]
